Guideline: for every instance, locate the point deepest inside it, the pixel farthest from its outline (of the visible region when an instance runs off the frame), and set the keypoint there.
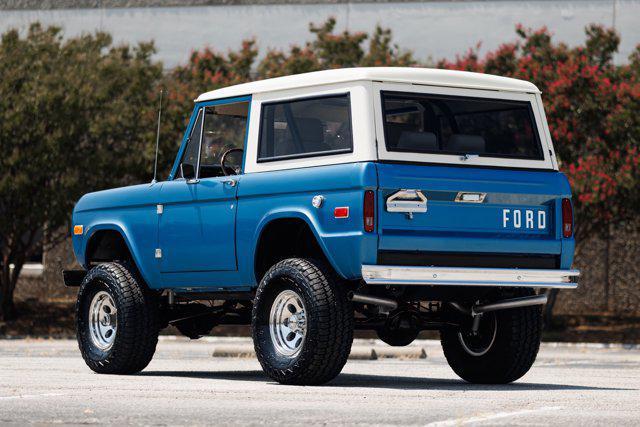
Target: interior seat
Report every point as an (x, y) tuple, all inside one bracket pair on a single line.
[(311, 135), (417, 141), (463, 143)]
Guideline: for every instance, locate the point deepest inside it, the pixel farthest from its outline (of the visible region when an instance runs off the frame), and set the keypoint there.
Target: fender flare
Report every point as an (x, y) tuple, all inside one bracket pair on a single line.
[(285, 213), (125, 236)]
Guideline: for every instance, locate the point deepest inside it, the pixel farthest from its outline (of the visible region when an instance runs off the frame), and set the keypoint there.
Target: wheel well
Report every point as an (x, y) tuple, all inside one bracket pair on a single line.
[(107, 245), (285, 238)]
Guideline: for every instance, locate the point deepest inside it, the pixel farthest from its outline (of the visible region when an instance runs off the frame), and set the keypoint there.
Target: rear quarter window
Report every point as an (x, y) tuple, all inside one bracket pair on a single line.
[(305, 128), (439, 124)]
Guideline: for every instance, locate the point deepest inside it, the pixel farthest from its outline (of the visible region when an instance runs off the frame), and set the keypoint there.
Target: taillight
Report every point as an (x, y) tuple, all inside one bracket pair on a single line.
[(567, 218), (369, 211)]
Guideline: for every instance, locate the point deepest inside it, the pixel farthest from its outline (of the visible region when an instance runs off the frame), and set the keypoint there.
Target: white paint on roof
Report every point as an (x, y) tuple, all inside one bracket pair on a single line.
[(422, 76)]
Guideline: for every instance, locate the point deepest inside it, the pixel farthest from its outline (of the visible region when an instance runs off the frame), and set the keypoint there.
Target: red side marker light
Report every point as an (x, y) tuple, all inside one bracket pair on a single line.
[(341, 212)]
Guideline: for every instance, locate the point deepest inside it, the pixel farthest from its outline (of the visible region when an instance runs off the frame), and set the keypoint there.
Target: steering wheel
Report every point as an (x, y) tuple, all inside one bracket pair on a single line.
[(228, 170)]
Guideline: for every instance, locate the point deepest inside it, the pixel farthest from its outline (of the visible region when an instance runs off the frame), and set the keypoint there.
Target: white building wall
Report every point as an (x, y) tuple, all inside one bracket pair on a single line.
[(436, 29)]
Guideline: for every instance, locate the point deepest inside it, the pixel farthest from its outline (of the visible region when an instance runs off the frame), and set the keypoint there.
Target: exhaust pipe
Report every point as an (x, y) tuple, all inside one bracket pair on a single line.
[(385, 303), (391, 305), (509, 303)]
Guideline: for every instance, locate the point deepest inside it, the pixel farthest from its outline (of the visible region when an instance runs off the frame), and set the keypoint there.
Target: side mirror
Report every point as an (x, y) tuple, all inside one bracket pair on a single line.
[(187, 171)]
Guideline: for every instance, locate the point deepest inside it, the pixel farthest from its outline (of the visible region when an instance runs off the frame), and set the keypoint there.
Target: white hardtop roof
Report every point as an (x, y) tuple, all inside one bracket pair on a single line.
[(423, 76)]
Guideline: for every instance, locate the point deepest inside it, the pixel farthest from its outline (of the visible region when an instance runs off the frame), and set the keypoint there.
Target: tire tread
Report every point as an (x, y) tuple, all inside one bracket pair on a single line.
[(332, 342), (138, 321), (514, 352)]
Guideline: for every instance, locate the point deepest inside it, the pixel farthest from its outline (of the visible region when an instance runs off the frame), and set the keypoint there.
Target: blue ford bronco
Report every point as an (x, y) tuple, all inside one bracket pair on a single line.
[(387, 199)]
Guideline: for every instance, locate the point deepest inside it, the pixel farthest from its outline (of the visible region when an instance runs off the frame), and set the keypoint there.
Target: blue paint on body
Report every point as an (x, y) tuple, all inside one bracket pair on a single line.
[(209, 231)]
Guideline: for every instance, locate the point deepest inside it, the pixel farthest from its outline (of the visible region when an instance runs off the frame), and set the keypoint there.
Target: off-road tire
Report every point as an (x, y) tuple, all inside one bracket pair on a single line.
[(510, 356), (329, 317), (137, 317)]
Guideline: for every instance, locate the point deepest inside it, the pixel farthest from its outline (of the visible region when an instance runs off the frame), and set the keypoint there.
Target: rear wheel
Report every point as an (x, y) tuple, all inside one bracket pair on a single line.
[(501, 350), (116, 320), (302, 323)]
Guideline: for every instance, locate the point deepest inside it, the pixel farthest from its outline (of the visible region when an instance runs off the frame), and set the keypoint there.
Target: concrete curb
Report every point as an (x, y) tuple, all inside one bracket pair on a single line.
[(244, 350), (416, 343), (372, 349), (362, 353), (409, 352), (379, 346), (234, 350), (592, 345)]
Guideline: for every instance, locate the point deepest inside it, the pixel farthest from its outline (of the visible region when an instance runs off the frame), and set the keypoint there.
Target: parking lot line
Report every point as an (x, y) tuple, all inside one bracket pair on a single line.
[(30, 396), (490, 417)]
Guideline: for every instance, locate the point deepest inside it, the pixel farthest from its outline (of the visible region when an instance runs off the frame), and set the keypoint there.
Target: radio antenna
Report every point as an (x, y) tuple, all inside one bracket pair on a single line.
[(155, 164)]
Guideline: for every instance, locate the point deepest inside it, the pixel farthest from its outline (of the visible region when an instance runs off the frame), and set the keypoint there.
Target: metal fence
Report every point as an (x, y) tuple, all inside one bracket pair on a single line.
[(610, 280)]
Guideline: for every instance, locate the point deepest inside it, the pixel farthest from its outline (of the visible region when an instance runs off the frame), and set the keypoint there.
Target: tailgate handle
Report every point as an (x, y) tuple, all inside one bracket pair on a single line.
[(407, 201)]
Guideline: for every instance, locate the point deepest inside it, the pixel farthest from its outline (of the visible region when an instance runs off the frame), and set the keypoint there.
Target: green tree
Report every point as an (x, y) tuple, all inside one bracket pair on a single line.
[(75, 117), (592, 104), (593, 109), (330, 50), (208, 69)]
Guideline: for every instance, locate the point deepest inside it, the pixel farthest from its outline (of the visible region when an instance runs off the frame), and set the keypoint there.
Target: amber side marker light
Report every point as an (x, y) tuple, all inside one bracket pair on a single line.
[(78, 230), (567, 218)]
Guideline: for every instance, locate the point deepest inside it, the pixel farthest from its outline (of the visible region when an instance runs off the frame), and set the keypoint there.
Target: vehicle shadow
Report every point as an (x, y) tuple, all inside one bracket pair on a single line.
[(380, 381)]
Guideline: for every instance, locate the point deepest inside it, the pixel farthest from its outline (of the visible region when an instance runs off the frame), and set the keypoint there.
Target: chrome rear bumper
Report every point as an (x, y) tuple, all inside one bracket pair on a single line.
[(462, 276)]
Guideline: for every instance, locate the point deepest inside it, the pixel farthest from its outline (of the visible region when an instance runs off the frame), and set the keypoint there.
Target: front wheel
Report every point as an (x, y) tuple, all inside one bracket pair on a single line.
[(500, 350), (116, 320), (302, 323)]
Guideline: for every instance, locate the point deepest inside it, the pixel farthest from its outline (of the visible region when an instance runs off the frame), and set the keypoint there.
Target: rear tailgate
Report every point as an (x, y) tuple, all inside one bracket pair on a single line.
[(513, 226)]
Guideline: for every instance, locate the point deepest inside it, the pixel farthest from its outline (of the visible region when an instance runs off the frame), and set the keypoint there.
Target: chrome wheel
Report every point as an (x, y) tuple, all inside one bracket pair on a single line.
[(479, 341), (288, 323), (103, 321)]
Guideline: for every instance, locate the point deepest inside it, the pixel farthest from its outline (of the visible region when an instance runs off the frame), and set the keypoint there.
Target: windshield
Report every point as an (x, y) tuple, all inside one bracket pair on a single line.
[(427, 123)]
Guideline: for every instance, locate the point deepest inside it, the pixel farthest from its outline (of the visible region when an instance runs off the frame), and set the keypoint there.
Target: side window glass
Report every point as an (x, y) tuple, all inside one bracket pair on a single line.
[(189, 162), (225, 128), (306, 127)]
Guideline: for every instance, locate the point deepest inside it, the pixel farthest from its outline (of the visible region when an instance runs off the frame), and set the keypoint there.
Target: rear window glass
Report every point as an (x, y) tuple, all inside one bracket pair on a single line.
[(424, 123), (304, 128)]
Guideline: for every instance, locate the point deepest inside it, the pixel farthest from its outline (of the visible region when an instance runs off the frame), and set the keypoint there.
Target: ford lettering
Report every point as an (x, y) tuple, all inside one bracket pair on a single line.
[(394, 200)]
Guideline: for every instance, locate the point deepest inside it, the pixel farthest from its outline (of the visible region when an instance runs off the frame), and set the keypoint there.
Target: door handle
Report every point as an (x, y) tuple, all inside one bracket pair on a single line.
[(408, 202), (231, 182)]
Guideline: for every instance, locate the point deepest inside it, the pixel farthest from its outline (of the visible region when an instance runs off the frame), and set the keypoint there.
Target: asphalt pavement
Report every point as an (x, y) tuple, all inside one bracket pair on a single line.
[(46, 382)]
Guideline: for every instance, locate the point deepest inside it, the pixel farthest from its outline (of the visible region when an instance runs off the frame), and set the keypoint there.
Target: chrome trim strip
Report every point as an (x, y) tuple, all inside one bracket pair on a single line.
[(197, 171), (463, 276)]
